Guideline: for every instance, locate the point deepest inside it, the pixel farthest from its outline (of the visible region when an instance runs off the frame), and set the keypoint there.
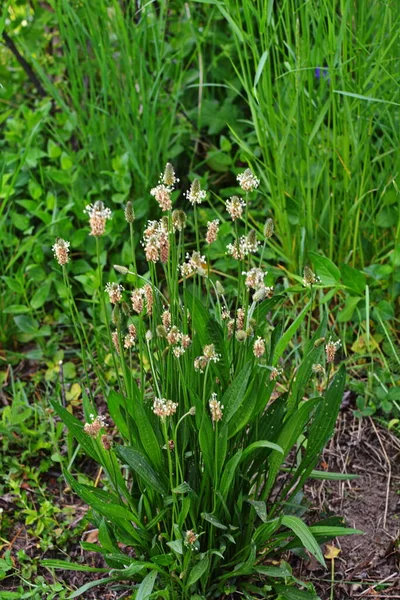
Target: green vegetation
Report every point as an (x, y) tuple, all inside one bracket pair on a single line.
[(96, 97)]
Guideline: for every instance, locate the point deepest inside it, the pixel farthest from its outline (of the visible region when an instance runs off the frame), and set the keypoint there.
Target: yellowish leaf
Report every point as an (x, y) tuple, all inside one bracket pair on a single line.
[(331, 551)]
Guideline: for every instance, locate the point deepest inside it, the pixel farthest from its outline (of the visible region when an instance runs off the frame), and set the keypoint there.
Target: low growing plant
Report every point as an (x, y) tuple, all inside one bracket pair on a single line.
[(211, 430)]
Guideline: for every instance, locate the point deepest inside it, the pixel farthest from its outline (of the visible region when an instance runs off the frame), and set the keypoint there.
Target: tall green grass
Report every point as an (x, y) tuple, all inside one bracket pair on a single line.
[(327, 145), (121, 85)]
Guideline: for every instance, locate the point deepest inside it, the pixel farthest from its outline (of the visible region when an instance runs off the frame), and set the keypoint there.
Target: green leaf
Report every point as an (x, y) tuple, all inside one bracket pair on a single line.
[(326, 270), (115, 512), (328, 475), (27, 324), (90, 585), (198, 570), (15, 309), (347, 311), (236, 392), (282, 571), (76, 428), (117, 409), (385, 310), (353, 279), (176, 546), (367, 98), (304, 534), (263, 533), (213, 520), (147, 434), (66, 162), (261, 444), (312, 356), (289, 593), (53, 150), (322, 426), (256, 396), (260, 508), (206, 442), (41, 295), (263, 308), (289, 333), (332, 532), (184, 488), (290, 431), (66, 565), (209, 332), (229, 473), (140, 464), (260, 67), (146, 587)]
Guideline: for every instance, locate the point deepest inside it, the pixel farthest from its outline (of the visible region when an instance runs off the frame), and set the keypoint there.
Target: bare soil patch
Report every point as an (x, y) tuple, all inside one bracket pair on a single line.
[(368, 565)]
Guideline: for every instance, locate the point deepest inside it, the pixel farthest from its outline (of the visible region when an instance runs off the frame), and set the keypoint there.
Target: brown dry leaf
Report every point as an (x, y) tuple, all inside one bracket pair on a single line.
[(92, 536)]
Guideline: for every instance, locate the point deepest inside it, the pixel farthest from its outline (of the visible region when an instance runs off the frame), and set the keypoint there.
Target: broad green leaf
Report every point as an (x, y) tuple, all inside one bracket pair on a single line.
[(41, 295), (146, 587), (346, 314), (257, 394), (247, 567), (270, 423), (176, 546), (27, 324), (304, 534), (222, 445), (268, 428), (326, 270), (140, 464), (275, 337), (353, 279), (106, 540), (198, 571)]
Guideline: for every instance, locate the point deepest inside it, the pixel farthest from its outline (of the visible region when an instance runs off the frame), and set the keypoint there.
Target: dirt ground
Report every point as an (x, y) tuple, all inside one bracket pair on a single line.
[(368, 564)]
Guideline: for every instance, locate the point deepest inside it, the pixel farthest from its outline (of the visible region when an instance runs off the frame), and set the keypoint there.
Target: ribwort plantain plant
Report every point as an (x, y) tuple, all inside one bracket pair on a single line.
[(210, 433)]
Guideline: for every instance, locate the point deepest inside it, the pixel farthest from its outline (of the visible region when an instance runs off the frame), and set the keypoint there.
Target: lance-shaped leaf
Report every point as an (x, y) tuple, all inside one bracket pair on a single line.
[(140, 464)]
